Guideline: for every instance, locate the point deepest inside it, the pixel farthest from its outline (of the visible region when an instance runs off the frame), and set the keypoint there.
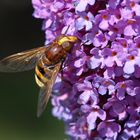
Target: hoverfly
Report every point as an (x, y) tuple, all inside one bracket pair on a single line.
[(47, 62)]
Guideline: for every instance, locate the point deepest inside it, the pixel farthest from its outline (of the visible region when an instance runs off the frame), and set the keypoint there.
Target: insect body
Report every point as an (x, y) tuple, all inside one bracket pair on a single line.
[(47, 62)]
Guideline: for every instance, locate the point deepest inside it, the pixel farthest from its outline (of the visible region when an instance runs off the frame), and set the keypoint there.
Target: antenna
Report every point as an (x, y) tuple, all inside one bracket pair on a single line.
[(66, 30), (84, 43)]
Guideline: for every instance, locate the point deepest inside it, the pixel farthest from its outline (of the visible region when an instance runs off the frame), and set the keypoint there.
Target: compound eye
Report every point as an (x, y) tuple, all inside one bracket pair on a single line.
[(67, 46)]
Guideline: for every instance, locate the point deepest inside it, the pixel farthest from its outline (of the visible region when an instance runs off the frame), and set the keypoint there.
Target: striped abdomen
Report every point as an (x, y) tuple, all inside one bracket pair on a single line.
[(43, 71)]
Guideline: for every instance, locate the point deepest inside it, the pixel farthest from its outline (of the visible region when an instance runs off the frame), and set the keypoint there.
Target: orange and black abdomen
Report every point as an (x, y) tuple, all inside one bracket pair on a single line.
[(55, 53), (43, 71)]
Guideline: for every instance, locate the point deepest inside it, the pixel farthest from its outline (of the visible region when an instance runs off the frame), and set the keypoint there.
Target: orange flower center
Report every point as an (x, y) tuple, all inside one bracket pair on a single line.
[(132, 4), (123, 85), (131, 57), (104, 16), (86, 18), (114, 53)]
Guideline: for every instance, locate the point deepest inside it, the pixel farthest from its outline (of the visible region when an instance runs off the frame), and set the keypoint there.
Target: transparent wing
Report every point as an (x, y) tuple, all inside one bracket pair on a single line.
[(22, 61), (45, 92)]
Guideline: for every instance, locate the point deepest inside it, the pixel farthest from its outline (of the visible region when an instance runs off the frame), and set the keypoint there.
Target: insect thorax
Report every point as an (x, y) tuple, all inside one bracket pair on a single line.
[(55, 53)]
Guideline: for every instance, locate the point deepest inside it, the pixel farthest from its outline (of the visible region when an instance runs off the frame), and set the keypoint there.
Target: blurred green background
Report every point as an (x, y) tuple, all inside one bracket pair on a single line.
[(18, 92)]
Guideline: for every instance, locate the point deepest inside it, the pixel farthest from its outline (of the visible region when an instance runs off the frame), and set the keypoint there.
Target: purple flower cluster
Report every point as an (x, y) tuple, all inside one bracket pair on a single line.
[(99, 96)]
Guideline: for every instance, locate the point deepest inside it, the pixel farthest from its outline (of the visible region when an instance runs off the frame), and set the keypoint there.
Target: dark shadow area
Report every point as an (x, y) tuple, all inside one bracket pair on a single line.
[(19, 30), (18, 92)]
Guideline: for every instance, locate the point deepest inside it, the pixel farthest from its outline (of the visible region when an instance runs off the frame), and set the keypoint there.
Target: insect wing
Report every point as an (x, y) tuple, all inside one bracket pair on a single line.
[(46, 91), (22, 61)]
